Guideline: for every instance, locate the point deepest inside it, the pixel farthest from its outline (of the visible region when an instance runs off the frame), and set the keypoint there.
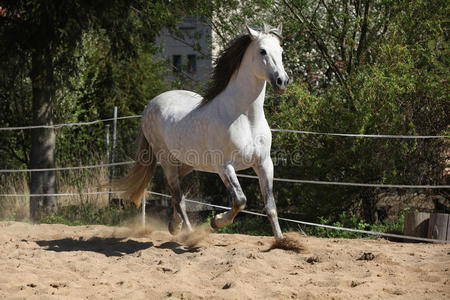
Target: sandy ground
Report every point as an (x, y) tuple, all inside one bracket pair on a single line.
[(98, 262)]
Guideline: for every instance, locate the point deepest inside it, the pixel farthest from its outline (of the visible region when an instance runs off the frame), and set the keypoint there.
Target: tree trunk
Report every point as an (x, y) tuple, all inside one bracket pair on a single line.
[(43, 139)]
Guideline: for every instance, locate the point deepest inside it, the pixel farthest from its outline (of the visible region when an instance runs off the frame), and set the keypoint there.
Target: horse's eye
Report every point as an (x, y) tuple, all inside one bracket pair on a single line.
[(263, 52)]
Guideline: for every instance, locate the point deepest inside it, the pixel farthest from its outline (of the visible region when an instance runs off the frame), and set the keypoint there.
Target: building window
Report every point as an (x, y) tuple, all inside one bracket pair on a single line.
[(188, 23), (192, 63), (176, 63)]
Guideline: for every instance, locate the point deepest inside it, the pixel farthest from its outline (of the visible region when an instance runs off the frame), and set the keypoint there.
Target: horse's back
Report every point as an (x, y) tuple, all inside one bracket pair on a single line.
[(168, 109), (176, 103), (169, 120)]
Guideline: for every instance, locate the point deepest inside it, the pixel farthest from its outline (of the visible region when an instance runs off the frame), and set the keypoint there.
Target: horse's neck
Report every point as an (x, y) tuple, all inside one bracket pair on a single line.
[(244, 95)]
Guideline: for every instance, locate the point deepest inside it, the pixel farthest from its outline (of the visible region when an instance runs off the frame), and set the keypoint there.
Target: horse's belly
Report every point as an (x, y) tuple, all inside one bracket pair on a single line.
[(198, 153), (208, 146)]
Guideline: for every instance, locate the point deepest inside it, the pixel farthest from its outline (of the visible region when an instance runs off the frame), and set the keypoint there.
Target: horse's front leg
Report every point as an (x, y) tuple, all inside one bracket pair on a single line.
[(229, 178), (265, 174)]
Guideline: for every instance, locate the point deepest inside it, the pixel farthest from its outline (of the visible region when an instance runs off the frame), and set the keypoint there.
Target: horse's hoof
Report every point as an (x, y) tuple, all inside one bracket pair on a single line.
[(280, 238), (212, 223), (174, 229)]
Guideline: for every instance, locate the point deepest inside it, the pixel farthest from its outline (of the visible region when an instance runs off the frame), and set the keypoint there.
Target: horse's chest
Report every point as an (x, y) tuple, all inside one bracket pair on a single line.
[(248, 144)]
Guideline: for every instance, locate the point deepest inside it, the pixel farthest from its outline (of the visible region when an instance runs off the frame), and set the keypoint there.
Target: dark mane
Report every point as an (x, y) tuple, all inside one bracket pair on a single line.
[(226, 64)]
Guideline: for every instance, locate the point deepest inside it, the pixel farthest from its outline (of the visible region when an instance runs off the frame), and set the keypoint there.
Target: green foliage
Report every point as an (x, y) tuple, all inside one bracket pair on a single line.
[(104, 83), (260, 226), (244, 224), (351, 221), (88, 214), (98, 55), (394, 81), (396, 227), (345, 220)]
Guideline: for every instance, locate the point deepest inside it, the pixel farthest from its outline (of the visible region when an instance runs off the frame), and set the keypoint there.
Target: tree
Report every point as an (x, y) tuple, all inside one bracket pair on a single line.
[(375, 67), (43, 37)]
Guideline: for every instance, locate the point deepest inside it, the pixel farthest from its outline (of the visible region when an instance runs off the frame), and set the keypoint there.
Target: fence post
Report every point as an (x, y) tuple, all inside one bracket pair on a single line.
[(143, 210), (113, 147), (439, 227), (108, 161), (416, 224)]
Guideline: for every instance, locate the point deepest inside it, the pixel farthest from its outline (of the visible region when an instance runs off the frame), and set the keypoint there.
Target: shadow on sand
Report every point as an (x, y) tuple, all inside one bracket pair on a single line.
[(110, 246), (178, 248)]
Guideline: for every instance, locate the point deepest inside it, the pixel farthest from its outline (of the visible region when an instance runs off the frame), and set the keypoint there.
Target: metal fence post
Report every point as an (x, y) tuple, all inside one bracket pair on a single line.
[(108, 160), (143, 210), (113, 147)]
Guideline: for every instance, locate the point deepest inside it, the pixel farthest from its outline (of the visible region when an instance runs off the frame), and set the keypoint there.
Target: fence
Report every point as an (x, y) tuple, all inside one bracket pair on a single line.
[(56, 126), (295, 181)]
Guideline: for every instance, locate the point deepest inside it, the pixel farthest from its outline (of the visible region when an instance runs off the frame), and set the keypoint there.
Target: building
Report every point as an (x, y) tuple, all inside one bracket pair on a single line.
[(189, 51)]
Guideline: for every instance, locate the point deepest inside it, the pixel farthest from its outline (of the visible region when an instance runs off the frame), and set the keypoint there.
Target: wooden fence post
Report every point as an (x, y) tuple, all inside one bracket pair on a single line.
[(439, 227), (416, 224)]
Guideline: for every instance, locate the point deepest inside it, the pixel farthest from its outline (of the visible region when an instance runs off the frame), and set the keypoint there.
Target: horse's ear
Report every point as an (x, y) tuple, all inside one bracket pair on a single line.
[(266, 28), (254, 34), (280, 29)]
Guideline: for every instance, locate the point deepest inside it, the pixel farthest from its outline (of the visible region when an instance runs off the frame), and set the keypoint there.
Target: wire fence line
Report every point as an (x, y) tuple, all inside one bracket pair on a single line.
[(67, 168), (57, 126), (385, 136), (295, 181), (60, 194), (299, 181), (379, 234), (376, 185), (389, 136)]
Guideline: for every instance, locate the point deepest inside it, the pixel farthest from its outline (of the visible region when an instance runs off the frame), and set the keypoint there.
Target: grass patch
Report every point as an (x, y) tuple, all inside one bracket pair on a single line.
[(350, 221), (254, 225), (89, 214)]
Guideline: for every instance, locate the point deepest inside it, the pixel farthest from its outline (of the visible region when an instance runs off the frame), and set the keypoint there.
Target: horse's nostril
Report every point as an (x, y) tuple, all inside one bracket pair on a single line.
[(279, 81), (286, 82)]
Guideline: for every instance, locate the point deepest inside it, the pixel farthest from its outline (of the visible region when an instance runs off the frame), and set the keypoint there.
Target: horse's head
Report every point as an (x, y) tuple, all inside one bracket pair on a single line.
[(266, 56)]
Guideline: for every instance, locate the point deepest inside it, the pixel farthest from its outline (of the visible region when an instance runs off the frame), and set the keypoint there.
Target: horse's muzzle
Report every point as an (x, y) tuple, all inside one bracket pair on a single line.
[(279, 82)]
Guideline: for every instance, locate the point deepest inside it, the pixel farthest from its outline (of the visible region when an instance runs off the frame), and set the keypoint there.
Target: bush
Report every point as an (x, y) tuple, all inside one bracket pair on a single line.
[(347, 220), (260, 226)]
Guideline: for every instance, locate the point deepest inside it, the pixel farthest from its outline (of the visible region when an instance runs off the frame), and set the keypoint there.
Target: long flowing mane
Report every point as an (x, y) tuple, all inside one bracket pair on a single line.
[(226, 64)]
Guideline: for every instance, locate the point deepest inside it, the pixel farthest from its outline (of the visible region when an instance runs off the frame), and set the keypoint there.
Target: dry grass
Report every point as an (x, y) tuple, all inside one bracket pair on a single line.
[(82, 181), (74, 181), (14, 208)]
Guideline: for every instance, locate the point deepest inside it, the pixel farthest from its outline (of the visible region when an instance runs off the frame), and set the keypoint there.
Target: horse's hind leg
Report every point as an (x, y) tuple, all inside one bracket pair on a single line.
[(230, 180), (174, 174)]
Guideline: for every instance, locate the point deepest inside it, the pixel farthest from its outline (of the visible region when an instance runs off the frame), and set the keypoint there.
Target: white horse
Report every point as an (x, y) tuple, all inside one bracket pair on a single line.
[(223, 131)]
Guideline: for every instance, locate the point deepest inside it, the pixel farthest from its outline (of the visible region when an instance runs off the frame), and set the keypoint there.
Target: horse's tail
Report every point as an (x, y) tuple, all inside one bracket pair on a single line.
[(136, 182)]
